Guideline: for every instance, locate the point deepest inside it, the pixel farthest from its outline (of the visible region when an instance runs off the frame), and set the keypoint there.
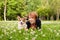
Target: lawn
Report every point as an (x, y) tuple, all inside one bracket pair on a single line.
[(50, 30)]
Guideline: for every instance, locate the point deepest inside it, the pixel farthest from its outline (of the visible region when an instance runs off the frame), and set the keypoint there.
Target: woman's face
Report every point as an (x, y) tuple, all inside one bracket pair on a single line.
[(32, 19)]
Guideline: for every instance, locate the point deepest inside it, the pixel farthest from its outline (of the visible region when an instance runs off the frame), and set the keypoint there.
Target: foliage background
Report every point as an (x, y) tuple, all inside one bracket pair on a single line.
[(46, 9)]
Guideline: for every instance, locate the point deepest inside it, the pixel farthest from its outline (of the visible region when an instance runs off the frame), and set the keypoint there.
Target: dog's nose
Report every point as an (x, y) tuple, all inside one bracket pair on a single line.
[(21, 23)]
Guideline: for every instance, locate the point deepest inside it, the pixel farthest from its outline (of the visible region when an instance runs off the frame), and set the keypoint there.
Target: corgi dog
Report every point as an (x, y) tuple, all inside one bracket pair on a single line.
[(21, 23)]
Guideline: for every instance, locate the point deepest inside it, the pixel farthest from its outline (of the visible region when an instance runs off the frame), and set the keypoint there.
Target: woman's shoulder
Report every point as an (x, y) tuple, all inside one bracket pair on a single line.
[(37, 20)]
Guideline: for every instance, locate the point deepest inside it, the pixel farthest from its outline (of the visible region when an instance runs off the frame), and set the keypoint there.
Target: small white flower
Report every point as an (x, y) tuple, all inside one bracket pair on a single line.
[(57, 34), (11, 37), (58, 30), (1, 35), (0, 8), (39, 30), (43, 35), (50, 29), (27, 34), (5, 32), (20, 31), (32, 32), (6, 27), (55, 26), (11, 32), (55, 31), (14, 30), (2, 26), (36, 35), (23, 33), (31, 29), (34, 38), (26, 38)]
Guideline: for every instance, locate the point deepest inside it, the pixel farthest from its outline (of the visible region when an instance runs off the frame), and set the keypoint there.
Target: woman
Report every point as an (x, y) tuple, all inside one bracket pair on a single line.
[(33, 20)]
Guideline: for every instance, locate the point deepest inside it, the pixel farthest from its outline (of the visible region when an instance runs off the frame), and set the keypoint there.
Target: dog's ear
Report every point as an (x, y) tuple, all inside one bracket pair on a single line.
[(24, 19), (18, 17)]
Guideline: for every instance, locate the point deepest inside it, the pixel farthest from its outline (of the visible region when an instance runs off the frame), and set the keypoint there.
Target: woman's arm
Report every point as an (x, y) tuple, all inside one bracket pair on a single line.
[(28, 24), (38, 23)]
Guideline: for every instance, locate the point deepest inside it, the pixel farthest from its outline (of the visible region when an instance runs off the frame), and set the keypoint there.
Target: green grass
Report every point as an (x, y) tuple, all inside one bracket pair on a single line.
[(9, 31)]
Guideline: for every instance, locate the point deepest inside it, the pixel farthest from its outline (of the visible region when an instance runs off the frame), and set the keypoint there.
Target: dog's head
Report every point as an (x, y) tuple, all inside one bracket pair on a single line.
[(22, 21)]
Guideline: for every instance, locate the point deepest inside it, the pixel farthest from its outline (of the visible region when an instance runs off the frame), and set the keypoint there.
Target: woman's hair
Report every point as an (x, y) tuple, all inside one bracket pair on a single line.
[(34, 14), (38, 21)]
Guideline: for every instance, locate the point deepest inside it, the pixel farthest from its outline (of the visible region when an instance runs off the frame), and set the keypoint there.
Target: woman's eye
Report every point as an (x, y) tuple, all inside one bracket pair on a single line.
[(32, 17)]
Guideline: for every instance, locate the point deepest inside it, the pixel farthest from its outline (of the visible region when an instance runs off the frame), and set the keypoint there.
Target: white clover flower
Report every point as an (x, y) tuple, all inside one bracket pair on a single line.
[(23, 33), (54, 26), (36, 35), (32, 32), (14, 30), (55, 31), (28, 34), (50, 29), (31, 29), (11, 32), (34, 38), (26, 38), (43, 35), (11, 37), (5, 32), (6, 27), (20, 31), (58, 30), (0, 8), (39, 30), (57, 34), (2, 26), (1, 35)]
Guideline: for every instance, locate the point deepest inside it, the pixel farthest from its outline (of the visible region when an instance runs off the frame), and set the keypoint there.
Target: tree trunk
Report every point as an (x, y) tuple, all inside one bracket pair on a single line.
[(57, 16), (51, 18), (47, 17), (5, 2)]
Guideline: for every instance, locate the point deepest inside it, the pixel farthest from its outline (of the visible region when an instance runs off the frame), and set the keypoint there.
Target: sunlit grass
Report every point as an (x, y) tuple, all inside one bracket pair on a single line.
[(9, 31)]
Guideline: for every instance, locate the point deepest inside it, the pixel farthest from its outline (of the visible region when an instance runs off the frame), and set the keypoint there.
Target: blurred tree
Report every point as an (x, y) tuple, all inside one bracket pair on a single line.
[(5, 3), (55, 6), (46, 9), (57, 9), (1, 9)]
